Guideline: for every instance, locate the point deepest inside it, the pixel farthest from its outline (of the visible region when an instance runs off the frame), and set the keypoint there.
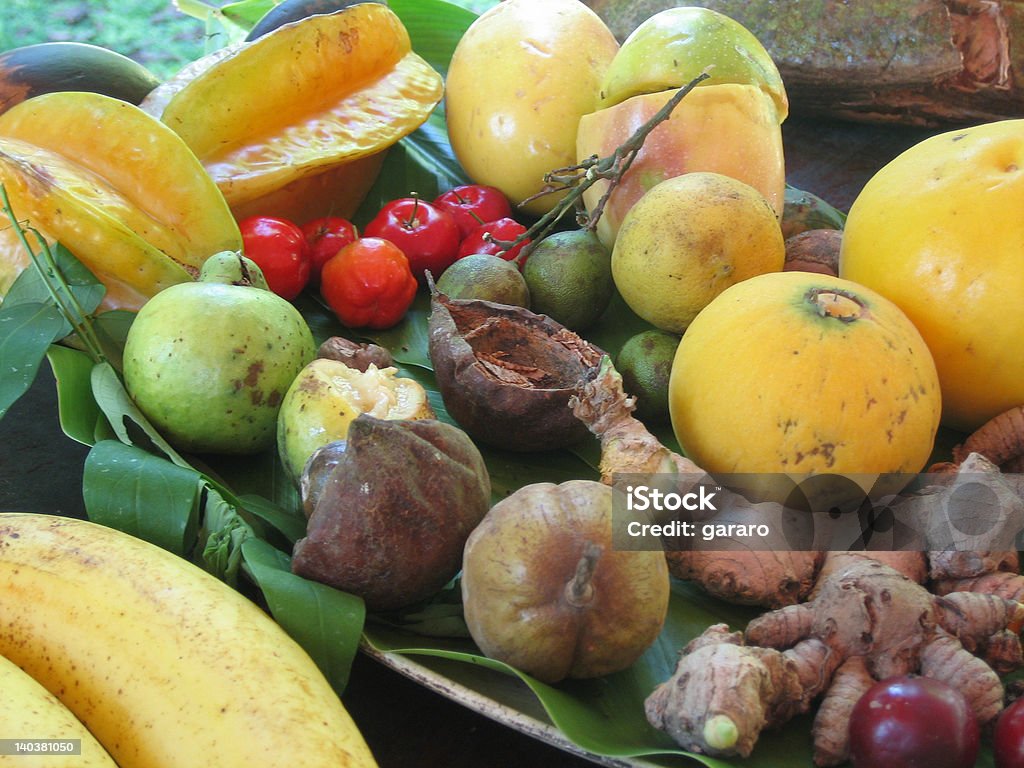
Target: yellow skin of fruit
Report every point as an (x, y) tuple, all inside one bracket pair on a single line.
[(327, 396), (938, 231), (732, 129), (29, 711), (801, 374), (519, 81), (166, 665), (675, 45), (687, 240)]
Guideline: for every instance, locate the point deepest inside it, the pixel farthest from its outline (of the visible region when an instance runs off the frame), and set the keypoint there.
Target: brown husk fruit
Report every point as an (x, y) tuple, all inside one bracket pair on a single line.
[(506, 374), (394, 514)]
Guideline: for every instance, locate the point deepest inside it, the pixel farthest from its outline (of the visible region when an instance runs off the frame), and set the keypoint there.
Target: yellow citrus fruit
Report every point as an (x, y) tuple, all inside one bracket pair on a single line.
[(802, 373), (688, 239), (939, 231)]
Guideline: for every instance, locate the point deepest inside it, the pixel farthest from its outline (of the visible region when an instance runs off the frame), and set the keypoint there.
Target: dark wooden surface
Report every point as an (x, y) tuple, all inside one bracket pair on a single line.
[(405, 724)]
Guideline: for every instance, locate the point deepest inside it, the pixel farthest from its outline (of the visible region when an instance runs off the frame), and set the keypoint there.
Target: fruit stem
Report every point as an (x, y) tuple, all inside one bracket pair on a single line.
[(580, 591), (837, 304), (577, 179)]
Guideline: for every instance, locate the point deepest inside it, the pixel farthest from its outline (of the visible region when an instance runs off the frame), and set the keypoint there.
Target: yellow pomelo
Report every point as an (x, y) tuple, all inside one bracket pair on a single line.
[(687, 240), (802, 374), (939, 231)]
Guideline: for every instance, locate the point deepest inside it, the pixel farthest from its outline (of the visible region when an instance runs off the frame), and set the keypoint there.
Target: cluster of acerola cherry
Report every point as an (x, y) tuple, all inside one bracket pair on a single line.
[(330, 253)]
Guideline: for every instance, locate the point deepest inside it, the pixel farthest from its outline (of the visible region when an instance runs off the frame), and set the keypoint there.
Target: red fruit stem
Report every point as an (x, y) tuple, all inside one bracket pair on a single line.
[(577, 179)]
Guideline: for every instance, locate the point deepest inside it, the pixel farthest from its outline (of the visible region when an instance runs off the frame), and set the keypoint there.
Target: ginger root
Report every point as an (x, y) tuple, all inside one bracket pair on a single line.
[(866, 622), (724, 692), (765, 577), (1000, 440)]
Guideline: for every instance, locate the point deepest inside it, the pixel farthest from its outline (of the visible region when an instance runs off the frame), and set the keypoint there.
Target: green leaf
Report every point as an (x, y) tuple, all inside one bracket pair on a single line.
[(30, 320), (287, 520), (326, 622), (30, 285), (121, 411), (76, 407), (247, 12), (224, 532), (127, 488), (435, 28), (409, 341), (26, 332)]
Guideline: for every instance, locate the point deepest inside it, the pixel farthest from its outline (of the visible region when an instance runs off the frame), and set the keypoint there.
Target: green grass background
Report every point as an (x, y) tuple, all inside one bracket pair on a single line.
[(153, 32)]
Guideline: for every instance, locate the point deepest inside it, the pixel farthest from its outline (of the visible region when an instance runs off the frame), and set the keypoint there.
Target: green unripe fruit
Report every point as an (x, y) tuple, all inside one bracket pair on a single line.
[(569, 276), (209, 364), (645, 364), (485, 277)]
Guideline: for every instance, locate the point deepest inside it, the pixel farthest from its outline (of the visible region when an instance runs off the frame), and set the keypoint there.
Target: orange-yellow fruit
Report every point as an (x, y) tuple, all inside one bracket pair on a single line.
[(939, 231), (519, 80), (802, 373)]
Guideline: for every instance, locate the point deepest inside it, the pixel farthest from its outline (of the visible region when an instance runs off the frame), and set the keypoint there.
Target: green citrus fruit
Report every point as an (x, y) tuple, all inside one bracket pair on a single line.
[(645, 364), (569, 275), (486, 277)]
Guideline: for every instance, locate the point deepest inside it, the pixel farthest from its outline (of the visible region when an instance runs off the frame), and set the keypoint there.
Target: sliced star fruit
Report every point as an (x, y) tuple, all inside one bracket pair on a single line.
[(116, 187), (327, 94)]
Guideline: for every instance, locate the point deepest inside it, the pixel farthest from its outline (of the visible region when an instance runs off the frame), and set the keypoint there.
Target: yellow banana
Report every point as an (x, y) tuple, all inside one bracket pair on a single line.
[(29, 714), (166, 665)]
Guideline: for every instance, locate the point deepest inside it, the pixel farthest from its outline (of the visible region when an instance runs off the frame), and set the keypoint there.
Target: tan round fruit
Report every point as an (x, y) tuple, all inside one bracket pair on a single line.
[(519, 81), (687, 240), (802, 373), (547, 591)]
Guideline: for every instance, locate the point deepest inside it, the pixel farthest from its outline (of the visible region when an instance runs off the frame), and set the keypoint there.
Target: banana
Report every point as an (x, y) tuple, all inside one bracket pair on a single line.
[(166, 665), (29, 712)]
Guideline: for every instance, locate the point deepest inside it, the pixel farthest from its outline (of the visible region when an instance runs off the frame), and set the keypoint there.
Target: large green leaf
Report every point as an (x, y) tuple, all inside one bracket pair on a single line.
[(76, 407), (31, 320), (321, 619), (127, 488)]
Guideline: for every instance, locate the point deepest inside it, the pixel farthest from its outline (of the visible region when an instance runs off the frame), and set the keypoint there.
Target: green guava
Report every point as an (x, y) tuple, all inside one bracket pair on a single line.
[(209, 364)]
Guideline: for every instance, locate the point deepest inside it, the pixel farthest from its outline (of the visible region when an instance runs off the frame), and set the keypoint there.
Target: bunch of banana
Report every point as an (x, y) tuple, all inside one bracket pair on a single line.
[(164, 664), (30, 712)]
